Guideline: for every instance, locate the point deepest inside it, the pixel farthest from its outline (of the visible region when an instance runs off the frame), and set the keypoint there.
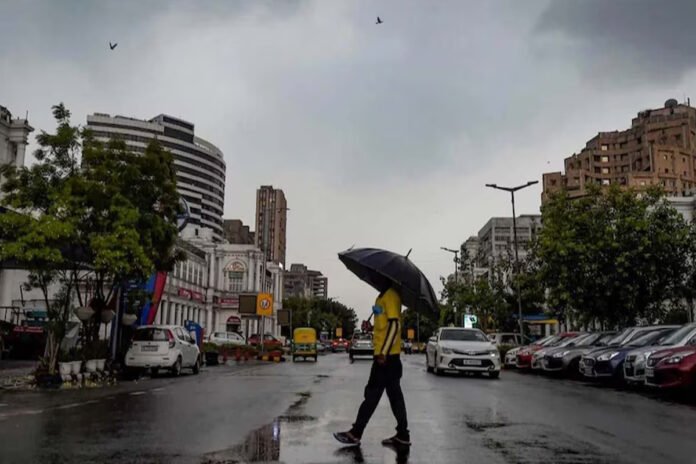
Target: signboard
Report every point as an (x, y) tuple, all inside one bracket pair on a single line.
[(247, 304), (185, 293), (264, 304), (339, 332), (198, 296), (410, 334), (284, 316), (469, 320), (229, 302), (184, 216)]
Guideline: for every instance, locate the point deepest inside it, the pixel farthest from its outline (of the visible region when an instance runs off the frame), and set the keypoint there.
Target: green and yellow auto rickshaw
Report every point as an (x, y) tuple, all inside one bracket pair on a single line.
[(304, 343)]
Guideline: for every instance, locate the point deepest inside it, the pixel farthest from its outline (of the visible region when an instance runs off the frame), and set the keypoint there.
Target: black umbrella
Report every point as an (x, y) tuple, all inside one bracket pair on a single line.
[(383, 269)]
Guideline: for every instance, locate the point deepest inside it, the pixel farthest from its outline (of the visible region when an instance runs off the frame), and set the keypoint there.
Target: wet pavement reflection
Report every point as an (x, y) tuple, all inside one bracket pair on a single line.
[(286, 414)]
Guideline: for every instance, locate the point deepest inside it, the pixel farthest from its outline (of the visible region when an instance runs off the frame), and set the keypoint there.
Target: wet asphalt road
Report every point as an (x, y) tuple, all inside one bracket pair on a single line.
[(286, 413)]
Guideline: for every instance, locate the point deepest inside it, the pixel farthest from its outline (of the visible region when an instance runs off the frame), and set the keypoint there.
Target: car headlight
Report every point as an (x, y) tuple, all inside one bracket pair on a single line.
[(494, 353), (608, 356), (676, 359), (560, 354), (446, 350)]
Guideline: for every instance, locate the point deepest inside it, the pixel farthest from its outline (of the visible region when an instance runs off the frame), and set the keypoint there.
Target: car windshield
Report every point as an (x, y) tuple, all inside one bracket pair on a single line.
[(636, 335), (220, 335), (150, 334), (679, 335), (573, 341), (621, 336), (464, 335), (649, 338), (603, 339), (358, 337), (590, 339)]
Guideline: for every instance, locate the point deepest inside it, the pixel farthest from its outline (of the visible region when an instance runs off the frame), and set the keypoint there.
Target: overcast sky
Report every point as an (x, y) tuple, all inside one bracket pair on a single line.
[(380, 135)]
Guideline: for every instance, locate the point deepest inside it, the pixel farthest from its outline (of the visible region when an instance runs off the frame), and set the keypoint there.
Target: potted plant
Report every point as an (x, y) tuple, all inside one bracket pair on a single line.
[(64, 366), (211, 353), (75, 359), (102, 354)]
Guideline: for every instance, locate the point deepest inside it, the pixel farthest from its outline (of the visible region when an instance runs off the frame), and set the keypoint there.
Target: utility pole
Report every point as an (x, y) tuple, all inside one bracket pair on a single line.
[(456, 266), (512, 191)]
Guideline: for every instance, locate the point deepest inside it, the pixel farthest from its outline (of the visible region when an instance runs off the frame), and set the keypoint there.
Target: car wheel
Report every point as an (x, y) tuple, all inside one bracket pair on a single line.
[(436, 369), (494, 374), (154, 372), (427, 365), (196, 367), (176, 368)]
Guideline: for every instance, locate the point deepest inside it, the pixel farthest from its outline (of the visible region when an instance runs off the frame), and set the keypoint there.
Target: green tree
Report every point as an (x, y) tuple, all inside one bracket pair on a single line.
[(613, 256), (86, 218), (322, 314)]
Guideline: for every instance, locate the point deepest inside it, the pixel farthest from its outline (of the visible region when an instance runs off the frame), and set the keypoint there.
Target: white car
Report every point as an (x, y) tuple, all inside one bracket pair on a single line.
[(226, 338), (168, 347), (462, 350), (511, 357)]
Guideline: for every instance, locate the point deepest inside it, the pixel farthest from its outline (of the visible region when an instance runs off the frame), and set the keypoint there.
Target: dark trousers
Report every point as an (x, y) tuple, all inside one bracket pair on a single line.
[(383, 377)]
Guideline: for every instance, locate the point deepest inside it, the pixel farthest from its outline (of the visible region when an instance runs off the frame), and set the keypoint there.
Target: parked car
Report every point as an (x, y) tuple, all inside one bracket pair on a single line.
[(361, 345), (269, 341), (511, 357), (524, 356), (158, 347), (672, 367), (339, 344), (538, 356), (566, 359), (321, 347), (462, 350), (634, 366), (607, 362), (226, 338), (506, 338)]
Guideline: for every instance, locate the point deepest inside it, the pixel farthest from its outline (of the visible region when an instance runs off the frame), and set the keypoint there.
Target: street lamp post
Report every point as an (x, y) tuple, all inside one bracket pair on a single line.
[(512, 191), (456, 266)]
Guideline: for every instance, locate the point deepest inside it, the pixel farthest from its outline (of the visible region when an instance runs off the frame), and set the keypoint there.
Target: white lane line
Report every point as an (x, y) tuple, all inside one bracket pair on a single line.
[(3, 404), (137, 393)]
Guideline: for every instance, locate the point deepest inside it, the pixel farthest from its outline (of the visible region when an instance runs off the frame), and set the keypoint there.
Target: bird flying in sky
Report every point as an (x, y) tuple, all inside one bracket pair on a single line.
[(112, 46), (379, 20)]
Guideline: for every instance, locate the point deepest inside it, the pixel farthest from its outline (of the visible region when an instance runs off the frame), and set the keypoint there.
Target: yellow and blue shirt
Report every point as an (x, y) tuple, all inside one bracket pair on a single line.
[(387, 329)]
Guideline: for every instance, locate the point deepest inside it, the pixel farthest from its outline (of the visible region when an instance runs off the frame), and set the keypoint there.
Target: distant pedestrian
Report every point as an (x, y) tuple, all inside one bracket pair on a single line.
[(385, 374)]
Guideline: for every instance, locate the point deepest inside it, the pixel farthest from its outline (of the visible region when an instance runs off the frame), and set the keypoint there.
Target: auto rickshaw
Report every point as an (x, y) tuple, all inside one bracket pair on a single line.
[(304, 343)]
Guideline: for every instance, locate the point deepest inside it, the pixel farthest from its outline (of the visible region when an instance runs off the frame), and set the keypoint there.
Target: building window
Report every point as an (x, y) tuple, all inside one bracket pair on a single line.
[(605, 182), (236, 281), (605, 159), (666, 171), (605, 170), (605, 147)]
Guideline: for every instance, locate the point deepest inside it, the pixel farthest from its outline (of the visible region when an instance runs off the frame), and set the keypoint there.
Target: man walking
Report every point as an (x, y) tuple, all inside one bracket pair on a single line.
[(385, 374)]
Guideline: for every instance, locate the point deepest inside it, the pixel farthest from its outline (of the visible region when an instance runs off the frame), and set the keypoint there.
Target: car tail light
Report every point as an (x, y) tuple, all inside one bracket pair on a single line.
[(170, 336)]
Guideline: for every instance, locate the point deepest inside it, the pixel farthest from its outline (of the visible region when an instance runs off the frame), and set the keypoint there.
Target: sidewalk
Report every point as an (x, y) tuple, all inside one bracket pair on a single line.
[(15, 373)]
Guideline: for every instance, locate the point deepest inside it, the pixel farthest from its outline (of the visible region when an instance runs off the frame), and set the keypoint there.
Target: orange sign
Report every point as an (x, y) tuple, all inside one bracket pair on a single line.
[(339, 332), (410, 334), (264, 304)]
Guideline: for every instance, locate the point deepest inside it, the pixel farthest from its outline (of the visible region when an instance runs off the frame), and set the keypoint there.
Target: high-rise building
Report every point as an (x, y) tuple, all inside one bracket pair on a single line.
[(234, 231), (658, 149), (271, 219), (301, 282), (199, 165), (14, 134), (496, 238)]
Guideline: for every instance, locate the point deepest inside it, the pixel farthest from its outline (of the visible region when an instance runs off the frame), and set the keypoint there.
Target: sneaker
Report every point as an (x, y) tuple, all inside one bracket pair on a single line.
[(397, 441), (347, 438)]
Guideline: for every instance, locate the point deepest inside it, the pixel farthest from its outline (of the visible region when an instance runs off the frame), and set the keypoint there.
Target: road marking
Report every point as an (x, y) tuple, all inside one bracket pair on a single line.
[(3, 404), (137, 393)]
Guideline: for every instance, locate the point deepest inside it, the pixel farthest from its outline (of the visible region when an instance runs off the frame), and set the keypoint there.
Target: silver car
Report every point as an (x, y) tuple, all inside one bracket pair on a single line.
[(634, 366)]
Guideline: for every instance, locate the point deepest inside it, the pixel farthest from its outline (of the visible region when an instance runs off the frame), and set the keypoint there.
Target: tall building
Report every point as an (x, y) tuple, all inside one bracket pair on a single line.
[(234, 231), (658, 149), (496, 238), (301, 282), (14, 134), (271, 219), (200, 166)]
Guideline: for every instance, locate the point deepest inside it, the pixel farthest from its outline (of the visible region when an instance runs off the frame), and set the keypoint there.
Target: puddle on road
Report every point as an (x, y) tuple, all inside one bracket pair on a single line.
[(263, 444)]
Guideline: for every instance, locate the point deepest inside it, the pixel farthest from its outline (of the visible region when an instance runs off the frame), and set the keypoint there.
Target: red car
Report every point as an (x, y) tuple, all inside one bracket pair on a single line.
[(524, 356), (340, 344), (269, 341), (672, 368)]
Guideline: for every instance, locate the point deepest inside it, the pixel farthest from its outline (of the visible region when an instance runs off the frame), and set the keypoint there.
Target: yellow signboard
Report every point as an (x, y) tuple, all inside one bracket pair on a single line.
[(339, 332), (264, 304), (410, 334)]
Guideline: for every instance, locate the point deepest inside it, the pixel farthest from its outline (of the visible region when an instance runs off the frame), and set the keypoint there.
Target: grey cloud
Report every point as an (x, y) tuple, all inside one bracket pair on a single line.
[(626, 41)]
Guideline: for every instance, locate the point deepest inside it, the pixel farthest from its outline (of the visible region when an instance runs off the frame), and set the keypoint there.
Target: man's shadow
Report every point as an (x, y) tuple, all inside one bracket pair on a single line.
[(356, 455)]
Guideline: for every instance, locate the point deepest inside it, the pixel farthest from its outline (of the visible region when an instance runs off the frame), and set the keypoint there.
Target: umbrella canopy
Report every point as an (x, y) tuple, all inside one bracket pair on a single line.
[(383, 269)]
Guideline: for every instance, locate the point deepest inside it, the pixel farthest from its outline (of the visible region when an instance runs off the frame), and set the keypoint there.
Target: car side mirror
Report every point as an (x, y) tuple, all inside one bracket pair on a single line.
[(432, 339)]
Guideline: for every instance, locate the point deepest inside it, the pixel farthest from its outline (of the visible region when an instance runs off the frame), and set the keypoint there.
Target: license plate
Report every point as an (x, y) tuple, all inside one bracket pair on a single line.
[(471, 362), (148, 348), (649, 372)]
